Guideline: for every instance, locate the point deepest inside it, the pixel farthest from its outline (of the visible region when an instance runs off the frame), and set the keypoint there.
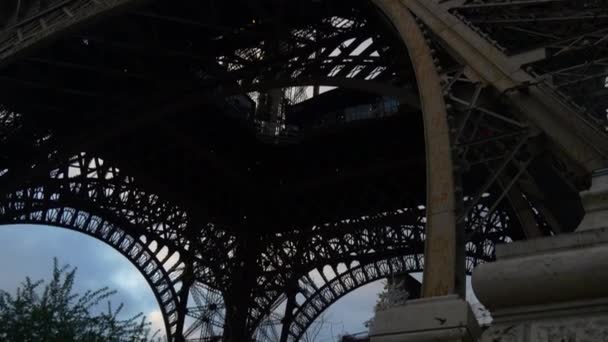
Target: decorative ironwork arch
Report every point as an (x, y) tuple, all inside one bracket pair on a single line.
[(147, 258), (352, 278), (322, 286), (83, 197)]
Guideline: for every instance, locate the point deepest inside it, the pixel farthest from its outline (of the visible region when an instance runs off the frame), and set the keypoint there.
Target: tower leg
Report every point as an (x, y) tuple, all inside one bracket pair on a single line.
[(445, 319), (239, 297)]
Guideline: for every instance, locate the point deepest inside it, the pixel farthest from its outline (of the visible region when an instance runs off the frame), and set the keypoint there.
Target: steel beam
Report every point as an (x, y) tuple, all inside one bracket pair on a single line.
[(441, 262), (567, 129), (524, 212)]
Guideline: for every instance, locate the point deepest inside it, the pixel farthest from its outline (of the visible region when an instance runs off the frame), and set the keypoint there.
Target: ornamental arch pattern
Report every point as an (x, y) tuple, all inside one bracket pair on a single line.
[(506, 160)]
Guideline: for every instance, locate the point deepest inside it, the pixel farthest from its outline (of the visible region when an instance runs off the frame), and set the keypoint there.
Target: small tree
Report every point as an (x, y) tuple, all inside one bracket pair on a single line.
[(393, 294), (58, 314)]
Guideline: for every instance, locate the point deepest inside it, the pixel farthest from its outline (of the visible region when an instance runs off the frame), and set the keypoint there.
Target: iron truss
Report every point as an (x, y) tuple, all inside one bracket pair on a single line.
[(307, 269), (562, 44), (216, 276)]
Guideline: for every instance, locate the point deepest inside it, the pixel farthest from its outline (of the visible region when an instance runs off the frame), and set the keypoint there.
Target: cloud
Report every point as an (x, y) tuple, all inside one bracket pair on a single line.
[(156, 318), (127, 279)]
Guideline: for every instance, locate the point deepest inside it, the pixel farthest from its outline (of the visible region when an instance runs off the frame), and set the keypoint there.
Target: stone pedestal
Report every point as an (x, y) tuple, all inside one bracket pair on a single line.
[(595, 202), (555, 288), (446, 319)]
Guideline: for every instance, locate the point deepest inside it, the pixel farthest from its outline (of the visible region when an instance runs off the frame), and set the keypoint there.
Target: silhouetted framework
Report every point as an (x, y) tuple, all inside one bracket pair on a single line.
[(182, 134)]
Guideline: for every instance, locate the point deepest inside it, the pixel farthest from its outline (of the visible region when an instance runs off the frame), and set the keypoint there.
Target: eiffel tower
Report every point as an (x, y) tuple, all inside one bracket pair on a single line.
[(258, 160)]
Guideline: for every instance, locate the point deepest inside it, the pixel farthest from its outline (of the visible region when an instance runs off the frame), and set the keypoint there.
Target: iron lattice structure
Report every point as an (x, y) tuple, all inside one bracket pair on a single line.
[(134, 122)]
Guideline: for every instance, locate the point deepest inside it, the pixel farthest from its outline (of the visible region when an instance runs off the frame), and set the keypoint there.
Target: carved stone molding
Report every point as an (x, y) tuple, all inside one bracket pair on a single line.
[(576, 328)]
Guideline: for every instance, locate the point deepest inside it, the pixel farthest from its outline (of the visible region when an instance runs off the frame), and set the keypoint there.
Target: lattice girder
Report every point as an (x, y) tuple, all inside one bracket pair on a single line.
[(562, 44), (90, 196), (153, 93), (148, 256)]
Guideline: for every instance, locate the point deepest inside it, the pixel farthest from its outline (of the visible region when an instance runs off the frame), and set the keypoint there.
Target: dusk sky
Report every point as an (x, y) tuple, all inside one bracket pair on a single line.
[(29, 250)]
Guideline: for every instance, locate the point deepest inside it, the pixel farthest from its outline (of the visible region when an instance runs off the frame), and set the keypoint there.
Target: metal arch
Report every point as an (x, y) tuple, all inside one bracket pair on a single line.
[(484, 229), (88, 179), (345, 283), (87, 188), (161, 281), (83, 203), (479, 249), (441, 252), (378, 237)]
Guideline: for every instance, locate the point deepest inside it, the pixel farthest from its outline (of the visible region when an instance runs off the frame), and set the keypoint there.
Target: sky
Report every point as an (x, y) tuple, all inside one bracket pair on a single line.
[(28, 250)]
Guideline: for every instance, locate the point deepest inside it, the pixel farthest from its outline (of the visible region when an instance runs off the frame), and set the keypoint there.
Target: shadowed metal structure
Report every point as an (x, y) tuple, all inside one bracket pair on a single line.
[(192, 137)]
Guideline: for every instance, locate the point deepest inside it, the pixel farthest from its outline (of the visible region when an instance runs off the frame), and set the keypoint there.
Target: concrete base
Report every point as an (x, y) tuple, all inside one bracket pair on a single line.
[(585, 321), (559, 269), (435, 319), (554, 288)]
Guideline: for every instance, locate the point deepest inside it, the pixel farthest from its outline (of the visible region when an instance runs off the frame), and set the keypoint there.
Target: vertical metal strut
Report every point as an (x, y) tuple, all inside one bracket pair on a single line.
[(441, 262)]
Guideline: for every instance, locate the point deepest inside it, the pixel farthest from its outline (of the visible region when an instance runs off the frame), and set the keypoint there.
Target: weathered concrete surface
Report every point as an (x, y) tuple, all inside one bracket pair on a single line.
[(549, 289), (556, 269), (446, 318), (545, 271), (575, 322)]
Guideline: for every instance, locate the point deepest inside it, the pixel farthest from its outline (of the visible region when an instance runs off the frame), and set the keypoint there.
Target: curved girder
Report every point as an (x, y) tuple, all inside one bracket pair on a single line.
[(89, 196), (443, 274), (93, 180), (145, 255), (293, 254), (320, 291), (386, 236), (318, 298)]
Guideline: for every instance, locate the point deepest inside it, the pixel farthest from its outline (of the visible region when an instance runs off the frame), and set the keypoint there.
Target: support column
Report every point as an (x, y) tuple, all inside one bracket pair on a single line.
[(524, 212), (238, 298), (182, 310), (440, 255), (442, 315), (288, 316), (554, 288)]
